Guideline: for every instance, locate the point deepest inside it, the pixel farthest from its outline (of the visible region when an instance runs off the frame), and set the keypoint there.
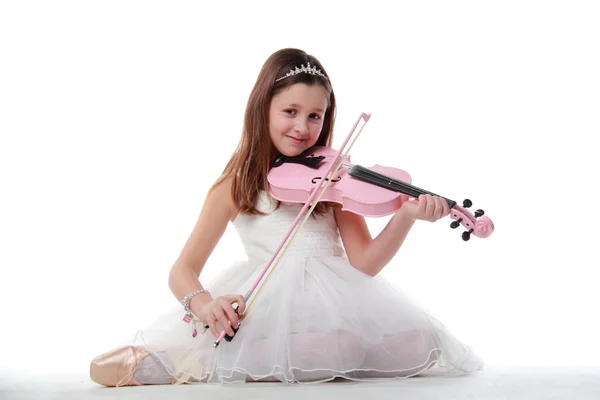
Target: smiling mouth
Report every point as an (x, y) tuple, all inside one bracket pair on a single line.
[(295, 140)]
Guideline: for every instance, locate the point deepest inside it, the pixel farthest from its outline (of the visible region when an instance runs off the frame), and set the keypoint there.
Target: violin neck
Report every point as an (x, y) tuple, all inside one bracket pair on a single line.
[(379, 179)]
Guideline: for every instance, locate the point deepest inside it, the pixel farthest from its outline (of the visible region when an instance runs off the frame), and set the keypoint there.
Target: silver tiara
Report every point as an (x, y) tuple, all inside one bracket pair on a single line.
[(306, 70)]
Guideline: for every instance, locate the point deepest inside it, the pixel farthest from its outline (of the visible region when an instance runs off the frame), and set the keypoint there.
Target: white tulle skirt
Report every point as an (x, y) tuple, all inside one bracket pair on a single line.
[(314, 320)]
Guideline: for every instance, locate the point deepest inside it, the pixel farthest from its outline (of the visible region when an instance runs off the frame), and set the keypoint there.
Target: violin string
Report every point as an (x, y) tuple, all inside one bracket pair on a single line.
[(390, 185), (367, 174), (400, 186), (385, 182), (393, 182)]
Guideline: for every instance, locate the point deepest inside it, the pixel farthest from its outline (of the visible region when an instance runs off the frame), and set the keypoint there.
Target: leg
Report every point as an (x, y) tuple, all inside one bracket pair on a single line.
[(318, 356), (402, 355)]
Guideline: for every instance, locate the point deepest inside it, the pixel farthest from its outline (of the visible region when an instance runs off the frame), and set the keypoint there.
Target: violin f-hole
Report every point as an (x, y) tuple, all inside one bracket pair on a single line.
[(316, 178)]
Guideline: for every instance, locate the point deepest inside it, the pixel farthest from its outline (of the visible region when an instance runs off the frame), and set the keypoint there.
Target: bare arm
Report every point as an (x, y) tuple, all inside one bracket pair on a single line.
[(217, 211), (365, 253), (372, 255)]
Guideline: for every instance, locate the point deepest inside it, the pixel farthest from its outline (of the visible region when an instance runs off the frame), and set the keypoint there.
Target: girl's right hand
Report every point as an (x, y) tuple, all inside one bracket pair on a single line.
[(221, 310)]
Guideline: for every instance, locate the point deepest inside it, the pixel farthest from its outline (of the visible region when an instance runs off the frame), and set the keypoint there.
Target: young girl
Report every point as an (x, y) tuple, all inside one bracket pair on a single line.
[(322, 314)]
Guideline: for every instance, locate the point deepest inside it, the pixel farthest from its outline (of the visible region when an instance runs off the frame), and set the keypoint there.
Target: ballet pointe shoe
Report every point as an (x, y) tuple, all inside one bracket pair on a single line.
[(116, 367)]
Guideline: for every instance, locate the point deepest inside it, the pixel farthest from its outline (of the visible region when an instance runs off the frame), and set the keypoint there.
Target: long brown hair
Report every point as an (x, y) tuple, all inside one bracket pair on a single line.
[(251, 161)]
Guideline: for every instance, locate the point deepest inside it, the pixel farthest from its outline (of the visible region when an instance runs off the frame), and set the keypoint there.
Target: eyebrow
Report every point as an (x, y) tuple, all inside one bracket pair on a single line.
[(298, 106)]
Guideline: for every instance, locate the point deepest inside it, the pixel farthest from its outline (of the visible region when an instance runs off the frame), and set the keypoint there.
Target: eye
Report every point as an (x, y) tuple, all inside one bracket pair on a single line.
[(290, 111), (315, 116)]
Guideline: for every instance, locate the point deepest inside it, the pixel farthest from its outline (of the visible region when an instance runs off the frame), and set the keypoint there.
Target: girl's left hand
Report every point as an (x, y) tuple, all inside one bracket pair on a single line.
[(426, 207)]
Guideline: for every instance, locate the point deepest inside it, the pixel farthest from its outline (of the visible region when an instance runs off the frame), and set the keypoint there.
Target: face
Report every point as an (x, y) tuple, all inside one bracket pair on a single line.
[(296, 117)]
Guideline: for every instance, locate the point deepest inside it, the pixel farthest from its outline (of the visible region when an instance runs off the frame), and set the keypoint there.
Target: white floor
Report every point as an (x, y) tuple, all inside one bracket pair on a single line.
[(493, 383)]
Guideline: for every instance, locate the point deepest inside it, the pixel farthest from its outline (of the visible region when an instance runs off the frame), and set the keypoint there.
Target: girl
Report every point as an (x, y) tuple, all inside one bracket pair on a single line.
[(323, 314)]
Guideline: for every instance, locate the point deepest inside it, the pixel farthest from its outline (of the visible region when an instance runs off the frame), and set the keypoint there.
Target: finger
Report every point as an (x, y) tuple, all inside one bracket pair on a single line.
[(231, 315), (239, 299), (446, 208), (210, 321), (439, 208), (222, 319), (430, 205), (422, 205)]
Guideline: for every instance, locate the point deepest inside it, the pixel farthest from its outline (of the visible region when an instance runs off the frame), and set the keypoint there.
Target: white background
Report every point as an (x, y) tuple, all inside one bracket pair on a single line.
[(116, 116)]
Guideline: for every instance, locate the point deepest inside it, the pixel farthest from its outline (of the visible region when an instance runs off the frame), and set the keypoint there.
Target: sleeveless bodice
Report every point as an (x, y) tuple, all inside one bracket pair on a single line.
[(261, 234)]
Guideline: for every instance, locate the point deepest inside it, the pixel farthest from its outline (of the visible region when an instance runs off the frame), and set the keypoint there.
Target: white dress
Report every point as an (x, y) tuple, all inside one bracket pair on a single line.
[(315, 319)]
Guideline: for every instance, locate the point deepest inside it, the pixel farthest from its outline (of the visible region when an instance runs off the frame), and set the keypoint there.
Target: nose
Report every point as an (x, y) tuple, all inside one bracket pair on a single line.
[(301, 126)]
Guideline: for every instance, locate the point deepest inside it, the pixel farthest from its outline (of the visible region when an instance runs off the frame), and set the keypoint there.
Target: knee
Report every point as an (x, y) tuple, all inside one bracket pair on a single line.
[(351, 348)]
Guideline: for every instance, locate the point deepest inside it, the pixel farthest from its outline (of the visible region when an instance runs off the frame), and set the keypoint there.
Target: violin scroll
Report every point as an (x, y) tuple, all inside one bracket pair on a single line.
[(477, 225)]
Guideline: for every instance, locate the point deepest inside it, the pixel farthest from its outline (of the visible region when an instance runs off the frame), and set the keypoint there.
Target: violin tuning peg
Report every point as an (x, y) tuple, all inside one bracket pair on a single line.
[(467, 203), (479, 213), (467, 235), (455, 224)]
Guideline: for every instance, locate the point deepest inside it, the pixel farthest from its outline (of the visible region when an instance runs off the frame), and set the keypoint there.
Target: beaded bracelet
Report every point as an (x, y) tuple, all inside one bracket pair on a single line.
[(189, 317), (185, 302)]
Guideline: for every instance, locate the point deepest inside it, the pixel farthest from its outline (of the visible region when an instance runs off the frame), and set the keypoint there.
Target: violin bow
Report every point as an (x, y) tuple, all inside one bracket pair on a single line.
[(314, 198)]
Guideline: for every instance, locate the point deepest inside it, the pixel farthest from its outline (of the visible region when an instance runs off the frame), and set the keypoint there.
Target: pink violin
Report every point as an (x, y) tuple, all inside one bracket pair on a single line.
[(373, 192)]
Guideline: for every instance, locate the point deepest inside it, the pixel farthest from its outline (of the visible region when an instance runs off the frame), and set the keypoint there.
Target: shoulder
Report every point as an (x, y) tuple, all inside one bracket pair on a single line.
[(220, 199)]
